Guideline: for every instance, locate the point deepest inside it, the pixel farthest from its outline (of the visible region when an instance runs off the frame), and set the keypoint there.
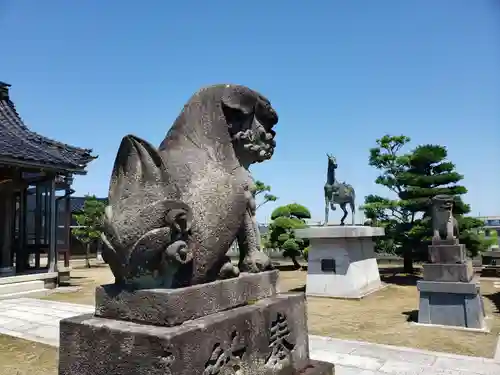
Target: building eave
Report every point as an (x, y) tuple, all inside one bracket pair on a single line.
[(23, 146), (31, 164)]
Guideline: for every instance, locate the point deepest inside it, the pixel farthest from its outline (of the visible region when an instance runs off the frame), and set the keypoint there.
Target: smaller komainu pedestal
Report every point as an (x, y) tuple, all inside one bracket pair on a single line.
[(341, 261), (449, 294), (237, 326)]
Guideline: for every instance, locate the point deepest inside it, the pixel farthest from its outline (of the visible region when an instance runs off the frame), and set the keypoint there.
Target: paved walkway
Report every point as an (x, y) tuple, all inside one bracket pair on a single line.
[(38, 320)]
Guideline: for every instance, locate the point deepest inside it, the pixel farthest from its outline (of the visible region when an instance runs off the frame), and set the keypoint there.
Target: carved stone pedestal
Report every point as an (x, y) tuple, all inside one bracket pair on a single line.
[(237, 326), (341, 261), (451, 304), (449, 294)]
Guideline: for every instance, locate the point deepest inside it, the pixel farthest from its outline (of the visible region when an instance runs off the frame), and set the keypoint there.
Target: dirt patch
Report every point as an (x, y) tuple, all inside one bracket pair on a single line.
[(21, 357), (86, 280)]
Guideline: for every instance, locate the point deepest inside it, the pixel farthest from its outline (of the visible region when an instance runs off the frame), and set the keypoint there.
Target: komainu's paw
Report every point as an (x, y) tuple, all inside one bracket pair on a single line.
[(228, 271), (178, 252), (258, 261)]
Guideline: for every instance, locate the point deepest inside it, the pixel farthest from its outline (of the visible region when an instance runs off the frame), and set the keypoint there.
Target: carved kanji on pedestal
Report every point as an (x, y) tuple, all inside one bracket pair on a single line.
[(226, 356), (280, 346)]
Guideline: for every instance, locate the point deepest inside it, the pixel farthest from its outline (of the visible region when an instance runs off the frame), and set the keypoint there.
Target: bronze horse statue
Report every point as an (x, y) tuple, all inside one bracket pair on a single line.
[(337, 193)]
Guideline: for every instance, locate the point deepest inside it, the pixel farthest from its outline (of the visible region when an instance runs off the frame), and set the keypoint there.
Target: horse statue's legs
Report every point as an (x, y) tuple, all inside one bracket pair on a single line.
[(353, 210), (343, 206), (327, 202)]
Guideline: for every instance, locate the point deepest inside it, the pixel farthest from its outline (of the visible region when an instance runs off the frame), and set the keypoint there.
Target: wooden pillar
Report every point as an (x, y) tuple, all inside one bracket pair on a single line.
[(67, 211), (22, 256), (6, 214), (15, 224), (47, 208), (52, 255), (38, 223)]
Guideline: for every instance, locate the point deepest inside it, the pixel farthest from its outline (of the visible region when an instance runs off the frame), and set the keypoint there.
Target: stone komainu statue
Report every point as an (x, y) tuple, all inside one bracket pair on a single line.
[(174, 211), (444, 225)]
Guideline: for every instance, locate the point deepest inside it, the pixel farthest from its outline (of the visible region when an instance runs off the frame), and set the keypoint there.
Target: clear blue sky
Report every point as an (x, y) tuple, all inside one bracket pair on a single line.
[(339, 73)]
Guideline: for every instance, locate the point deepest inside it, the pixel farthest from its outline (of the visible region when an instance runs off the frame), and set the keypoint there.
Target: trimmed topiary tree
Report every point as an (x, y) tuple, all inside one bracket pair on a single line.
[(285, 219)]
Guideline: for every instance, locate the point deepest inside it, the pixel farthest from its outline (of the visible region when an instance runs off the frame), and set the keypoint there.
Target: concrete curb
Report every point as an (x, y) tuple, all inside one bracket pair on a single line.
[(404, 349), (496, 357), (486, 329)]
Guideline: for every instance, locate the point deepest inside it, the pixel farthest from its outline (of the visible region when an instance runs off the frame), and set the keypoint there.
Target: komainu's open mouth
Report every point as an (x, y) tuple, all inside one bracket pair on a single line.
[(257, 141)]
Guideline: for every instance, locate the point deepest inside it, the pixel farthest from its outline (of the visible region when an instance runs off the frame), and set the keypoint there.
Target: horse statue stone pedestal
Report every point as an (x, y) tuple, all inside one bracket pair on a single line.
[(341, 261)]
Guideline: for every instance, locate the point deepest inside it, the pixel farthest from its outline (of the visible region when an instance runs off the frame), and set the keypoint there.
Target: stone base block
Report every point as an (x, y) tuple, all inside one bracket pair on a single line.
[(319, 368), (451, 304), (169, 307), (490, 271), (448, 254), (340, 232), (265, 337), (320, 286), (7, 271), (448, 272), (486, 329), (63, 275)]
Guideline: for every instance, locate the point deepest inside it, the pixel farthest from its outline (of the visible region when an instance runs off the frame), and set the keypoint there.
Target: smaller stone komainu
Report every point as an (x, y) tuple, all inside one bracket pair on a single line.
[(174, 211), (444, 224)]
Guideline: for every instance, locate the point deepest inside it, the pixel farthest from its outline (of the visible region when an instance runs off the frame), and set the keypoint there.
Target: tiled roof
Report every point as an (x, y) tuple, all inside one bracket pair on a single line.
[(20, 143)]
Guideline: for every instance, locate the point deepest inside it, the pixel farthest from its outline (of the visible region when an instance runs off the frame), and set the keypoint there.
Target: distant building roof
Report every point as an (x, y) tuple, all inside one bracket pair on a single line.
[(490, 221), (76, 203), (18, 144), (263, 228)]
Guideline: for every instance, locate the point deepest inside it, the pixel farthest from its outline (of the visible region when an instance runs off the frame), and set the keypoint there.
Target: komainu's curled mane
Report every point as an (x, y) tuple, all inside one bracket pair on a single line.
[(174, 211)]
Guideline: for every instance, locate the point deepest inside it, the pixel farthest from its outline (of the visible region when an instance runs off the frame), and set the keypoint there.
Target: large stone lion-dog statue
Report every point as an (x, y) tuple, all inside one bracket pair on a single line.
[(173, 212)]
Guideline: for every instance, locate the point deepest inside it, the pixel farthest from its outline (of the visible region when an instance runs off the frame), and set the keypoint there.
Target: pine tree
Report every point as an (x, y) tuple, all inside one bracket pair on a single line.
[(414, 178), (390, 212), (89, 222), (260, 188)]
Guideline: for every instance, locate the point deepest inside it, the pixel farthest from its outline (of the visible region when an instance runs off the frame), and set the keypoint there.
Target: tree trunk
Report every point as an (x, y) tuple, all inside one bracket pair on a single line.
[(295, 263), (87, 255), (99, 252), (408, 260)]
